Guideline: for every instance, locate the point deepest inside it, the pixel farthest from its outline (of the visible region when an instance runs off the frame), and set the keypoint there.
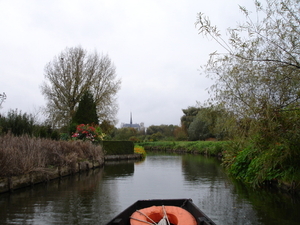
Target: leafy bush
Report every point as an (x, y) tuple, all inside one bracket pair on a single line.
[(140, 150), (255, 166)]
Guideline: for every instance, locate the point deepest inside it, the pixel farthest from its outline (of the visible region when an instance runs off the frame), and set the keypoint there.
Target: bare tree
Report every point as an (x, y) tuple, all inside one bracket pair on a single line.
[(2, 98), (70, 74)]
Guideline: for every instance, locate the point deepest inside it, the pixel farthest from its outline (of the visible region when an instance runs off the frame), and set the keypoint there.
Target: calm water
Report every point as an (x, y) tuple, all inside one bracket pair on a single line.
[(98, 196)]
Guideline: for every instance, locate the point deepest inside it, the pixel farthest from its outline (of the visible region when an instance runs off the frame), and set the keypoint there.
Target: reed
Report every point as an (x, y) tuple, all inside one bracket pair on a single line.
[(25, 154)]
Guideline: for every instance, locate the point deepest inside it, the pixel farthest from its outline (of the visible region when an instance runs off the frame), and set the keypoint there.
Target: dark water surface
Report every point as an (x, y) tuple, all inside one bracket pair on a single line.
[(98, 196)]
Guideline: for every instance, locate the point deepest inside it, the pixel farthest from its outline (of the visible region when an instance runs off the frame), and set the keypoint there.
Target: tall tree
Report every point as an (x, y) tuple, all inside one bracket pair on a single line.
[(87, 111), (202, 125), (209, 123), (260, 70), (70, 74), (189, 115)]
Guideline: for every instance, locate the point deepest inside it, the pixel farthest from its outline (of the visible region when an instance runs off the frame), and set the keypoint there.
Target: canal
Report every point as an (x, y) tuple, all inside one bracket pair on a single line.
[(97, 196)]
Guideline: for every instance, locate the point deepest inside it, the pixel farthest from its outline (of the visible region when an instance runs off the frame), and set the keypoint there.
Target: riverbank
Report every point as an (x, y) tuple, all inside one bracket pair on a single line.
[(26, 161), (211, 148), (47, 174), (44, 175), (24, 154)]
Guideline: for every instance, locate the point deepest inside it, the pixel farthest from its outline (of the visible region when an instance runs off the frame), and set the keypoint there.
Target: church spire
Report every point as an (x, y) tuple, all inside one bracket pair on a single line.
[(130, 118)]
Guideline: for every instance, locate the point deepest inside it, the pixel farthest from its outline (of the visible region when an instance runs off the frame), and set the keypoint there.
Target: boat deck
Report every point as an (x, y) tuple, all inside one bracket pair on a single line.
[(124, 217)]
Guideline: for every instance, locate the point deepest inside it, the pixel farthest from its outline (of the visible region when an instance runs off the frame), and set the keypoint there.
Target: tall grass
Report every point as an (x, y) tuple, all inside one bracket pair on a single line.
[(24, 154)]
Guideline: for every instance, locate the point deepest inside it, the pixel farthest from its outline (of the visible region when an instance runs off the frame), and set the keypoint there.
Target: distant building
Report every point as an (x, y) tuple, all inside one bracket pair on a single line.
[(133, 125)]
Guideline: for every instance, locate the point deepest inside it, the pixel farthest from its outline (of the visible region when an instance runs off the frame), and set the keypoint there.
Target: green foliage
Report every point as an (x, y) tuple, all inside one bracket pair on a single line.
[(201, 147), (165, 130), (118, 147), (258, 83), (208, 122), (240, 164), (140, 150), (46, 131), (157, 136), (260, 72), (107, 127), (189, 115), (64, 136), (87, 111), (180, 134), (134, 139), (161, 132), (17, 123), (124, 134), (261, 161), (198, 130), (154, 133)]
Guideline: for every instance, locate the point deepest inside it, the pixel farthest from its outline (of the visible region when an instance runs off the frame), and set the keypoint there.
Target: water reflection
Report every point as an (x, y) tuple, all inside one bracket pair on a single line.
[(70, 200), (98, 196), (212, 192), (119, 169), (272, 206)]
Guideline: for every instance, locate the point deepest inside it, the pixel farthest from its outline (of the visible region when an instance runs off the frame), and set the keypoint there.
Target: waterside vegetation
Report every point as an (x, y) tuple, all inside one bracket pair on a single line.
[(212, 148), (256, 82), (140, 150), (25, 154), (249, 165)]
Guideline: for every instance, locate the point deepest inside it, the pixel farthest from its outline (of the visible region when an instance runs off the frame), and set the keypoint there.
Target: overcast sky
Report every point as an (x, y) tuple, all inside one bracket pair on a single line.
[(153, 43)]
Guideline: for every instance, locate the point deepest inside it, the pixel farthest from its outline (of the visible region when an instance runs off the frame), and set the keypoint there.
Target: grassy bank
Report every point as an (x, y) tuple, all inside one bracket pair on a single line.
[(24, 154), (199, 147)]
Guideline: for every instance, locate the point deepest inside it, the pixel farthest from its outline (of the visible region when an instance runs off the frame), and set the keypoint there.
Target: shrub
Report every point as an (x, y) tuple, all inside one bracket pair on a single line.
[(118, 147), (140, 150), (90, 133)]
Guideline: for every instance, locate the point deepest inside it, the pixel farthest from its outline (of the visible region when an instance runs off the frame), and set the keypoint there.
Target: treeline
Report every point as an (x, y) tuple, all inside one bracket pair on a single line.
[(197, 123), (17, 123), (152, 133)]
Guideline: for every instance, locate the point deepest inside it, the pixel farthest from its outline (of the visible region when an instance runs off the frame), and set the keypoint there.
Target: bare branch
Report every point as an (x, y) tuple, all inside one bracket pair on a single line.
[(70, 74)]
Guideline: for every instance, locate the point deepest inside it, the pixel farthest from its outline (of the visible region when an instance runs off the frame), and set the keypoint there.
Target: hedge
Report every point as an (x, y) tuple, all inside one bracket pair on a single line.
[(118, 147)]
